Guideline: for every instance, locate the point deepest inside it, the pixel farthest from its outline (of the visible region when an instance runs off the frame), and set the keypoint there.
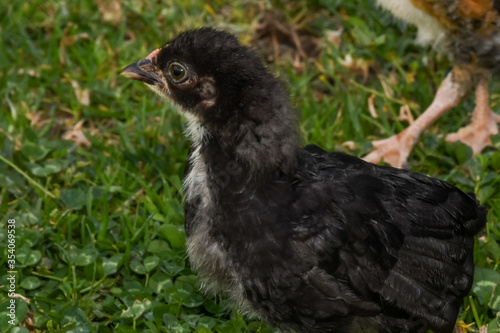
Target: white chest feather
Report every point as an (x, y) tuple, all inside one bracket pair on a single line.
[(206, 255), (430, 32), (196, 182), (208, 258)]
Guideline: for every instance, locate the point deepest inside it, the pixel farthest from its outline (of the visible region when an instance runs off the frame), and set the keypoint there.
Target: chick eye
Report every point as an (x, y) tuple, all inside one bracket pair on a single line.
[(177, 72)]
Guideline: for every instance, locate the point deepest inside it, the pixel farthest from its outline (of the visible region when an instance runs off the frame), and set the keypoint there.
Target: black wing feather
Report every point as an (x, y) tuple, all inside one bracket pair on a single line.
[(400, 239), (348, 246)]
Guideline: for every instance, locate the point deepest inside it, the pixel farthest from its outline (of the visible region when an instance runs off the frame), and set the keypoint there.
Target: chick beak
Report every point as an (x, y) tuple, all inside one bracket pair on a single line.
[(144, 70)]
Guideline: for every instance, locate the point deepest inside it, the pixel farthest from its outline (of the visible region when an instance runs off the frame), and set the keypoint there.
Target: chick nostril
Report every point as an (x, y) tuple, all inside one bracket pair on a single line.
[(144, 62)]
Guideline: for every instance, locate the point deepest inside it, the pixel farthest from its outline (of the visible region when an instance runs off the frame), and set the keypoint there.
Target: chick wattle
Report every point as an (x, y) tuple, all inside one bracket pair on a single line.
[(468, 31), (306, 240)]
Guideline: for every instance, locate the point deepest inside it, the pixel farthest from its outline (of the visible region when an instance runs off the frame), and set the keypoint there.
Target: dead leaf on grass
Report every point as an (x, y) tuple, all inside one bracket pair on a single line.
[(334, 37), (371, 106), (386, 85), (358, 66), (75, 135), (405, 114), (82, 95), (111, 11), (351, 145)]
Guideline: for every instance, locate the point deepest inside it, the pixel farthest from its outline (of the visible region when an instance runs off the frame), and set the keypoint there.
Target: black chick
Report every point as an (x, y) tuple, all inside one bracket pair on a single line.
[(307, 240)]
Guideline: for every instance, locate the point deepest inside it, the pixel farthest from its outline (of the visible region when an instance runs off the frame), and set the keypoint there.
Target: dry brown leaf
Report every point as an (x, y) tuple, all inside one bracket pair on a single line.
[(349, 145), (357, 66), (27, 300), (75, 135), (83, 96), (371, 106), (405, 114), (334, 37), (483, 329), (386, 86), (111, 11), (36, 119)]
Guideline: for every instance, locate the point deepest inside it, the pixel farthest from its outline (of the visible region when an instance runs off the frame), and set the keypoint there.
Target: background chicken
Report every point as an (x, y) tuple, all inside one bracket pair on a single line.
[(469, 31)]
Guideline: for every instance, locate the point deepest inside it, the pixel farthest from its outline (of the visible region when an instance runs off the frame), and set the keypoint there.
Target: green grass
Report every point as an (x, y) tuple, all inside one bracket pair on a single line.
[(99, 228)]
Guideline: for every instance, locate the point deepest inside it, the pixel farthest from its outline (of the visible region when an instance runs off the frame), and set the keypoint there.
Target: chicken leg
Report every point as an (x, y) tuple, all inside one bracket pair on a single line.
[(396, 149), (484, 122)]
